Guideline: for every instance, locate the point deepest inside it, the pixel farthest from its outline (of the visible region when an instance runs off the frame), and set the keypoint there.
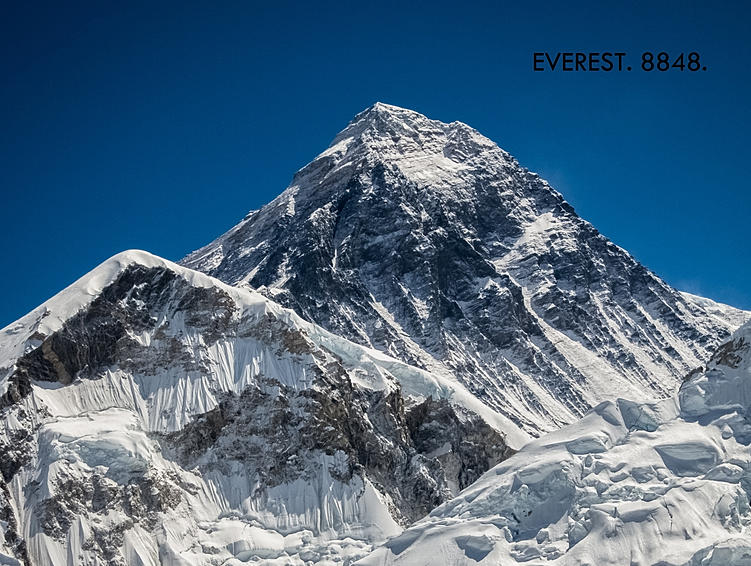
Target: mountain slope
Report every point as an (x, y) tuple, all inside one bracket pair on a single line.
[(662, 484), (152, 414), (427, 241)]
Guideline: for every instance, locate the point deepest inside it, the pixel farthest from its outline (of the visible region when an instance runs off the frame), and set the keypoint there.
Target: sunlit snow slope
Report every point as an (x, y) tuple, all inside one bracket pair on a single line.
[(631, 484), (154, 415), (427, 241)]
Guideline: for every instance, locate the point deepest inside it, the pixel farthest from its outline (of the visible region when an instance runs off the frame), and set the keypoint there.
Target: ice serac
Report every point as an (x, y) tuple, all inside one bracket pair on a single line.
[(654, 484), (427, 241), (151, 414)]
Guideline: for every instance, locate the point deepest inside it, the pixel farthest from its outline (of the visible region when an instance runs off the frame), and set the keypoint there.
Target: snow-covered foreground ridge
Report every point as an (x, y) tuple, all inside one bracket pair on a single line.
[(631, 484), (154, 415), (429, 242)]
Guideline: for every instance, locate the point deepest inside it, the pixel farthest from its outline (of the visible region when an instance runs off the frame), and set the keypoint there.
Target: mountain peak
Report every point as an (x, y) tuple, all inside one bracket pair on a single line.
[(424, 150), (381, 110), (383, 118), (384, 107), (427, 241)]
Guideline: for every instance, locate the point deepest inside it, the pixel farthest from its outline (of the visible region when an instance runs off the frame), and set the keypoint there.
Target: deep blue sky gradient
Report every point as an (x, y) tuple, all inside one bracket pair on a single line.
[(137, 125)]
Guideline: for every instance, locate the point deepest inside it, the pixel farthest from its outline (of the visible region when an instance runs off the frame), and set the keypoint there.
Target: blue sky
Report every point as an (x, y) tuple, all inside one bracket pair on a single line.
[(159, 126)]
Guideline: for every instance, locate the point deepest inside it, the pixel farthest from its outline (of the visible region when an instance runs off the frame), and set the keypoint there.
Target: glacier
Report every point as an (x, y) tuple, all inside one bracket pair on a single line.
[(632, 483)]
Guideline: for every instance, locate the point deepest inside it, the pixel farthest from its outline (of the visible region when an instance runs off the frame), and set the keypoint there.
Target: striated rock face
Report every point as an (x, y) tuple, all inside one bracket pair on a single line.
[(630, 483), (429, 242), (152, 414)]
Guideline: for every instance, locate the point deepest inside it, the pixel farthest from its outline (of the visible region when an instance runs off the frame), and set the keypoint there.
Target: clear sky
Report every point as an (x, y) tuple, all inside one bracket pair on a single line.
[(158, 125)]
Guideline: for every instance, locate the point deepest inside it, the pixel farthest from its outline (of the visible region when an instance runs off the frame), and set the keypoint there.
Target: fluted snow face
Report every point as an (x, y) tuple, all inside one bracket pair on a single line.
[(429, 242), (630, 483)]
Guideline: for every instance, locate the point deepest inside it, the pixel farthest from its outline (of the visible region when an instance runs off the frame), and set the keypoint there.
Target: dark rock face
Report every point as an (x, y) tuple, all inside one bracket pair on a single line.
[(278, 432), (731, 353), (463, 444), (101, 335), (427, 241), (17, 447)]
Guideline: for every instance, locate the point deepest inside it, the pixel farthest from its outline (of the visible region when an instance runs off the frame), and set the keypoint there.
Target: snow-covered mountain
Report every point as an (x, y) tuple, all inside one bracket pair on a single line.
[(154, 415), (413, 309), (648, 484), (427, 241)]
